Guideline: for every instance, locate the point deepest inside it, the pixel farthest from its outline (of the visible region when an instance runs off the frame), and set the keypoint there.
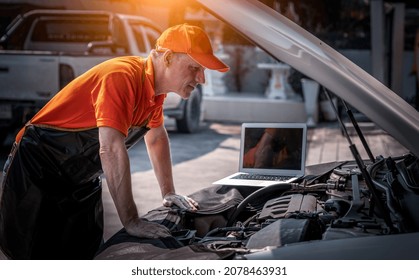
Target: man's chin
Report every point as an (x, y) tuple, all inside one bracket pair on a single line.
[(186, 97), (187, 94)]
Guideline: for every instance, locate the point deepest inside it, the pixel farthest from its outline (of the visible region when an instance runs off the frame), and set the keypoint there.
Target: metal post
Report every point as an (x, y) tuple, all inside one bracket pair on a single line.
[(397, 48), (377, 40)]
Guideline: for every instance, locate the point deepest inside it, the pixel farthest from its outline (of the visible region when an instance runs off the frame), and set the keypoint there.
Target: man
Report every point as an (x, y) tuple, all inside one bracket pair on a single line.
[(50, 204)]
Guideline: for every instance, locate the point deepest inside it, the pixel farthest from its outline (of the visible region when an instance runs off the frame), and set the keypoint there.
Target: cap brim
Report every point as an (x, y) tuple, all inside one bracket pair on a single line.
[(210, 62)]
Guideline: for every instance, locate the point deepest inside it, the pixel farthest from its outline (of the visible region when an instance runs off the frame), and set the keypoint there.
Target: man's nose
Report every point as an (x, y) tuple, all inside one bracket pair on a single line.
[(200, 76)]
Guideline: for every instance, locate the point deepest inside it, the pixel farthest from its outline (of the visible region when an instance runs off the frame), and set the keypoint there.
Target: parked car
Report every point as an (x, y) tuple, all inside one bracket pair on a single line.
[(42, 50), (360, 209)]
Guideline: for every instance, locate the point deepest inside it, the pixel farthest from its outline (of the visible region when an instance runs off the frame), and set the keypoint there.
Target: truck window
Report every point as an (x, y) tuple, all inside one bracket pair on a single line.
[(66, 35), (119, 36), (70, 31), (139, 37), (152, 35), (145, 35)]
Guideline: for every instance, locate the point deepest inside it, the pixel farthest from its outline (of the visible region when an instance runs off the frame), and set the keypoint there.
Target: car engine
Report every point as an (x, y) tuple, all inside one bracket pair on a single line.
[(336, 214), (339, 206)]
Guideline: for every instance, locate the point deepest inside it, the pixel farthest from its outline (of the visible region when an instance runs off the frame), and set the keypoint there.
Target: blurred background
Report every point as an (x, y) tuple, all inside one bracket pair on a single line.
[(377, 35), (381, 36)]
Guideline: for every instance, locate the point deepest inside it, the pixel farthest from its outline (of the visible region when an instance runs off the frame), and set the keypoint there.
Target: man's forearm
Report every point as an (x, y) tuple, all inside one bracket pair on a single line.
[(159, 152), (115, 164), (158, 148), (118, 179)]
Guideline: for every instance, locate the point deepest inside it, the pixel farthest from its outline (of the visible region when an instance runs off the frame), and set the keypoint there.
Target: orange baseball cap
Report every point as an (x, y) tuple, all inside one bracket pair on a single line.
[(192, 40)]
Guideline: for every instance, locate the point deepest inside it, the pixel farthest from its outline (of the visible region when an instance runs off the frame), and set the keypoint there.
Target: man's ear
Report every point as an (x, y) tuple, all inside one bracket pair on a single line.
[(167, 57)]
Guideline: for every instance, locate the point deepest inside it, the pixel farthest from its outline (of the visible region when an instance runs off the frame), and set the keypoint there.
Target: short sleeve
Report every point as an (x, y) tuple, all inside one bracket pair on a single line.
[(157, 116), (113, 101)]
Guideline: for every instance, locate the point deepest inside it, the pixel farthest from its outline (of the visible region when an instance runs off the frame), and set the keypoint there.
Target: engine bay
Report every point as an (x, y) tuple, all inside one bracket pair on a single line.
[(331, 215), (337, 206)]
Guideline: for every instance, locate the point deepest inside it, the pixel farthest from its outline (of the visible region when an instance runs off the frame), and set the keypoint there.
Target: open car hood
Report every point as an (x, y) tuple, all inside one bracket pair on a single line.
[(291, 44)]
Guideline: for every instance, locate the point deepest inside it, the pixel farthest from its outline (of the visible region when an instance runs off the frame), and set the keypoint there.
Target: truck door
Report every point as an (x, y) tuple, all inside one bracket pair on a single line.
[(32, 76)]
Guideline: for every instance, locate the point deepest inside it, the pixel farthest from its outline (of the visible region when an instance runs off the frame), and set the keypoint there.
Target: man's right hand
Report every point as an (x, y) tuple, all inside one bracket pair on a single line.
[(144, 229)]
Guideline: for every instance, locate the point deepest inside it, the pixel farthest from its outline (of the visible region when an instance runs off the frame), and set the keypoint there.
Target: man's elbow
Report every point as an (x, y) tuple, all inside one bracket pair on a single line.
[(156, 136)]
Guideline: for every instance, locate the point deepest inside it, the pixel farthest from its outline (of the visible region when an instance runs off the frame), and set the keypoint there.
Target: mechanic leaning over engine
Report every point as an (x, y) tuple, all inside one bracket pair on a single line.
[(50, 198)]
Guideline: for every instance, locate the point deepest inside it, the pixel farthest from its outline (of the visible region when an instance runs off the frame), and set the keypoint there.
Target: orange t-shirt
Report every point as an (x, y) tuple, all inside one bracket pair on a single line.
[(118, 93)]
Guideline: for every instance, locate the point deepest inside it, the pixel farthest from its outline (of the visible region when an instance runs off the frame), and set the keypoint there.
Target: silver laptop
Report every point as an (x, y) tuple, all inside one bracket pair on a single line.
[(270, 153)]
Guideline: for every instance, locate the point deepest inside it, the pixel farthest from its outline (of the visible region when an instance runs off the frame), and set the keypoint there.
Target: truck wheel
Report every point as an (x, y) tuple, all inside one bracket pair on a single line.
[(191, 118)]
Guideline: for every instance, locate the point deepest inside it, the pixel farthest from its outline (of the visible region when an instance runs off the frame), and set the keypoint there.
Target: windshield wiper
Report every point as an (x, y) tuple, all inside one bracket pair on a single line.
[(360, 163)]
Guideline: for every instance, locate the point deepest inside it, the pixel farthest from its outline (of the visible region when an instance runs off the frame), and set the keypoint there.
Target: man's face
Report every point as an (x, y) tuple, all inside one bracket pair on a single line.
[(185, 74)]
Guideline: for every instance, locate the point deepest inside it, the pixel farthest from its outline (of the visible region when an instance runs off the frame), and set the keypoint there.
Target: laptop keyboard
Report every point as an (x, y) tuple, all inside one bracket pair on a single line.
[(262, 177)]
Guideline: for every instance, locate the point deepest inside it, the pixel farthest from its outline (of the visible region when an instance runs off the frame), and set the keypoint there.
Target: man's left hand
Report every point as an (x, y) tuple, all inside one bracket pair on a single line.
[(181, 201)]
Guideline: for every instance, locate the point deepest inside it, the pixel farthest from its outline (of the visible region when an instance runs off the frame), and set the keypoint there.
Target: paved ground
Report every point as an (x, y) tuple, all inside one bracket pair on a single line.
[(200, 159)]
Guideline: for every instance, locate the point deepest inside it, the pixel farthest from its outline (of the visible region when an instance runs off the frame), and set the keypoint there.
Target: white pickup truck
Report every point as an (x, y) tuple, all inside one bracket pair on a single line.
[(42, 50)]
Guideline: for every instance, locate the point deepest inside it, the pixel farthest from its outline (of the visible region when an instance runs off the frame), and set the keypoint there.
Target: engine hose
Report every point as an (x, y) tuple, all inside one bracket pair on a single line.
[(220, 230), (227, 229), (281, 187)]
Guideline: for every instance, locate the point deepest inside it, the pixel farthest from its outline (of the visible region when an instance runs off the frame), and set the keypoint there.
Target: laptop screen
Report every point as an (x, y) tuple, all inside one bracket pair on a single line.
[(273, 148)]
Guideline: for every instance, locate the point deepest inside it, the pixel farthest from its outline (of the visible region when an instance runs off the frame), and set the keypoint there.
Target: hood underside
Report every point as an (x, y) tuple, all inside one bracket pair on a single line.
[(291, 44)]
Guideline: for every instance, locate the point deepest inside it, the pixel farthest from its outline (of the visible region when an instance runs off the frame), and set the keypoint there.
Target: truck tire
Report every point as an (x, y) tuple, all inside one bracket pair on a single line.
[(189, 123)]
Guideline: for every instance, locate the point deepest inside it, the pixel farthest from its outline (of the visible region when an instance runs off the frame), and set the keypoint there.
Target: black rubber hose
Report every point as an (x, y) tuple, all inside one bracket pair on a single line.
[(280, 187)]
